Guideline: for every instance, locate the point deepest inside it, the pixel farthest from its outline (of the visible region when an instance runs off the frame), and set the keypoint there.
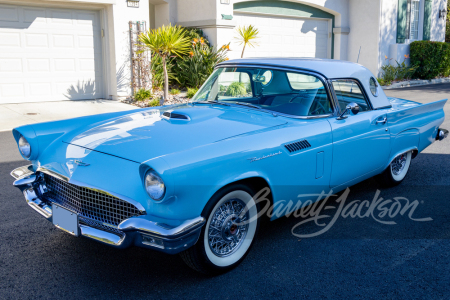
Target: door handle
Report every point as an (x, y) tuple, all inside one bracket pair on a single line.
[(383, 121)]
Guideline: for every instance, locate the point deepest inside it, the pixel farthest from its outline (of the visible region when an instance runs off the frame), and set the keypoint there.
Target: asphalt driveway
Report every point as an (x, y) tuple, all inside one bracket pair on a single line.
[(356, 258)]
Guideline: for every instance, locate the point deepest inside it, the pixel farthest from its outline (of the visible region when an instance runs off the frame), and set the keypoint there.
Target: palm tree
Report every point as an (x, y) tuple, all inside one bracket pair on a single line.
[(246, 35), (166, 41)]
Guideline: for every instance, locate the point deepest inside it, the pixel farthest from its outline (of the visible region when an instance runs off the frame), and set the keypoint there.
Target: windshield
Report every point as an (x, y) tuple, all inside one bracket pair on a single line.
[(276, 90)]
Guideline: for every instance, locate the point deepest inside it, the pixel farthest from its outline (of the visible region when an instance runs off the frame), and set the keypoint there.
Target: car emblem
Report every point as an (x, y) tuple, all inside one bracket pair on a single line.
[(81, 164), (253, 159)]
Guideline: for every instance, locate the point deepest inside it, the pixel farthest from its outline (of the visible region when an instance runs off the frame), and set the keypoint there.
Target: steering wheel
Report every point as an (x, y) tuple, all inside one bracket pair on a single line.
[(321, 108)]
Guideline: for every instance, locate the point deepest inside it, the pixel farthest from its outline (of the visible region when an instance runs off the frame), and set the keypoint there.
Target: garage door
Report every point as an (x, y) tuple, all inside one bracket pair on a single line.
[(286, 37), (49, 54)]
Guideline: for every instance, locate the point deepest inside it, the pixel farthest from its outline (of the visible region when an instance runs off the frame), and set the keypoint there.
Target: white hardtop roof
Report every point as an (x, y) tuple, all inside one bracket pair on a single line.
[(330, 68)]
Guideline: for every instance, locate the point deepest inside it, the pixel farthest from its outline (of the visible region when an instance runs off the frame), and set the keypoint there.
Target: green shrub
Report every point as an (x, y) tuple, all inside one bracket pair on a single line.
[(432, 59), (191, 92), (236, 89), (142, 95), (194, 69), (381, 81), (399, 72), (153, 103), (174, 91)]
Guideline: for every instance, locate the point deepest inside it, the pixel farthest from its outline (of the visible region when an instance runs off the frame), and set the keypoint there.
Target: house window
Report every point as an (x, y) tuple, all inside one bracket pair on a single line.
[(414, 20)]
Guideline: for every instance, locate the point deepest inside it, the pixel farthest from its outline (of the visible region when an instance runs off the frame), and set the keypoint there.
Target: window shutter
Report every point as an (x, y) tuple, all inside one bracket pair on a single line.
[(427, 20), (402, 21)]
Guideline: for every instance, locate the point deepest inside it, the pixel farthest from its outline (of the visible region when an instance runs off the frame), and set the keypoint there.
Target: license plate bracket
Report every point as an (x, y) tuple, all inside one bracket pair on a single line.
[(65, 219)]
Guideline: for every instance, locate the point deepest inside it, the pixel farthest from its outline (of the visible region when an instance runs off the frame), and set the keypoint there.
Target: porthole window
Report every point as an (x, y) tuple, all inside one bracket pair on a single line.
[(374, 86), (267, 77)]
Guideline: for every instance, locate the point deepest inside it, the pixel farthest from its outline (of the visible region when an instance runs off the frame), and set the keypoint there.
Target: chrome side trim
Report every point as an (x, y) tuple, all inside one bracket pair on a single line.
[(22, 172), (147, 226), (383, 107), (101, 236)]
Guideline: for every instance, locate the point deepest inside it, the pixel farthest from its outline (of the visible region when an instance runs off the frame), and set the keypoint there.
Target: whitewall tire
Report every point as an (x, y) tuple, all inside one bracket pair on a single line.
[(397, 170), (229, 232)]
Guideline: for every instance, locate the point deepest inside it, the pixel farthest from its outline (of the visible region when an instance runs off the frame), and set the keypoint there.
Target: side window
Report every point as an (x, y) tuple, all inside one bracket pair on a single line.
[(348, 91), (311, 94)]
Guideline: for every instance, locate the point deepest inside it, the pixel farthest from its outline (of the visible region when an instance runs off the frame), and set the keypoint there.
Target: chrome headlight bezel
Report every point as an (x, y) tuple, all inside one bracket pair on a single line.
[(24, 147), (154, 185)]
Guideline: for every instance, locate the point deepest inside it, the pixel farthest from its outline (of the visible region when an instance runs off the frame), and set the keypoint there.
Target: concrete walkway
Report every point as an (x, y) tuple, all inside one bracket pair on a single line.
[(14, 115)]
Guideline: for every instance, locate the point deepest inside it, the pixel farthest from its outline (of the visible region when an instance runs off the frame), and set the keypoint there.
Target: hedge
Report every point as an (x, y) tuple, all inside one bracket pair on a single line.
[(432, 59)]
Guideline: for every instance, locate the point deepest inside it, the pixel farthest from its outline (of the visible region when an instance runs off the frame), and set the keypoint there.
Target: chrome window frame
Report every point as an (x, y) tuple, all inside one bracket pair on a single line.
[(321, 77), (361, 87), (377, 85)]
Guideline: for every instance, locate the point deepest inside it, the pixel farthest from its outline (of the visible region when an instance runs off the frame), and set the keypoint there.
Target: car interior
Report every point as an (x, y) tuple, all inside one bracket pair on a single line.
[(277, 90)]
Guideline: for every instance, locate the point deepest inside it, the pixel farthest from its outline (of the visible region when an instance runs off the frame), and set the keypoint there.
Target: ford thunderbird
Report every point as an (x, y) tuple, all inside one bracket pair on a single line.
[(182, 178)]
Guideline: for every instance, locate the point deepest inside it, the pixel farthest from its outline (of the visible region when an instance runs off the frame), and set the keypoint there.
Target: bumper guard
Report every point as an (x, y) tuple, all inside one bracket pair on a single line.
[(139, 231)]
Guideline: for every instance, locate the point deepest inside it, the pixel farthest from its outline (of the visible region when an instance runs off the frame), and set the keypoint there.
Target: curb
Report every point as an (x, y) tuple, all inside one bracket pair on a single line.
[(411, 83)]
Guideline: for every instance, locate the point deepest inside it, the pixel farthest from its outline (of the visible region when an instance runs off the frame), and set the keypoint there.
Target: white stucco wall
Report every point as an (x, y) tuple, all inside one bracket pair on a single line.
[(388, 32), (162, 14), (364, 19), (438, 25)]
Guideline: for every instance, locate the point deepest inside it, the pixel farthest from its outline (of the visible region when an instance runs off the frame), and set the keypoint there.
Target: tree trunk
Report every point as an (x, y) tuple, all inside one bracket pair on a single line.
[(166, 80), (242, 55)]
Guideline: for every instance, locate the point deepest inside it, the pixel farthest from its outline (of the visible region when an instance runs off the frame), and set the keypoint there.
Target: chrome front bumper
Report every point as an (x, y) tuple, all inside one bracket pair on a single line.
[(139, 231)]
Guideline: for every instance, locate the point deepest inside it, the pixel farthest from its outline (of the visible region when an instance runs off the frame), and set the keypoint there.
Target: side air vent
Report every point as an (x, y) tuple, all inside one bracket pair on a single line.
[(172, 115), (297, 146)]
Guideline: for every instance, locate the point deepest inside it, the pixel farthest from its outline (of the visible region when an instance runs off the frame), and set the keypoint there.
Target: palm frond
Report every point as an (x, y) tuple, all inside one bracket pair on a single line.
[(166, 40), (247, 35)]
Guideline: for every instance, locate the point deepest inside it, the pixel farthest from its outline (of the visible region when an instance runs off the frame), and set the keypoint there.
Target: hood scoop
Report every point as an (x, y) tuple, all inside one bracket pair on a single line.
[(171, 115)]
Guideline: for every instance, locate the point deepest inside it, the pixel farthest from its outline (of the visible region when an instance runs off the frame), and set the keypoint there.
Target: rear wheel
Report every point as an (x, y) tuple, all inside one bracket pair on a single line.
[(228, 234), (397, 170)]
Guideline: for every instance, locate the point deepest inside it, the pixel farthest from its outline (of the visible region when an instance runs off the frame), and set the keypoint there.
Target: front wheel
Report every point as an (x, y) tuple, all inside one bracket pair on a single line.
[(229, 232), (397, 170)]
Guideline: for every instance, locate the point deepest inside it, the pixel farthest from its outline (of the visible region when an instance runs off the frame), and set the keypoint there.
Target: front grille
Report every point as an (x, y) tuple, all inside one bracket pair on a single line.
[(88, 202)]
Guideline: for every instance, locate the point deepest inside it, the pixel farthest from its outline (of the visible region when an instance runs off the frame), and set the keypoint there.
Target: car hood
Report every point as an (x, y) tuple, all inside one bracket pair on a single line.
[(148, 134)]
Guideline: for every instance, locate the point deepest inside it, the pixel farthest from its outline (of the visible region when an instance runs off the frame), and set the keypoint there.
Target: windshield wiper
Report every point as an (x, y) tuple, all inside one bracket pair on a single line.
[(247, 104), (212, 102), (257, 107)]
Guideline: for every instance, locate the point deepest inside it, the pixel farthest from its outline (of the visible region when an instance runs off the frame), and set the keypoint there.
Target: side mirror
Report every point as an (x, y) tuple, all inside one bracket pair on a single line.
[(353, 107)]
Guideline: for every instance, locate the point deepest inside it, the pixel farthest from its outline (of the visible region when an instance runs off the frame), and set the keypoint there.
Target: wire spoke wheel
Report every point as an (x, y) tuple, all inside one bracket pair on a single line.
[(399, 163), (231, 227), (228, 228)]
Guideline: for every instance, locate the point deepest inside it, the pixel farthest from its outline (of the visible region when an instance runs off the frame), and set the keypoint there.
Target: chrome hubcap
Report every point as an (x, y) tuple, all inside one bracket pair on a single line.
[(398, 164), (225, 232)]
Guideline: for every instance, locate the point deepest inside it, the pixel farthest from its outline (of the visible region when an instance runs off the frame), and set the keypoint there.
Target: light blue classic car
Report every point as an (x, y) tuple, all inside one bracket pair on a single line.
[(182, 178)]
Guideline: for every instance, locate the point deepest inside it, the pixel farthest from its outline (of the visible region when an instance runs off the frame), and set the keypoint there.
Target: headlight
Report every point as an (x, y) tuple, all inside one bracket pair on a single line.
[(24, 147), (154, 185)]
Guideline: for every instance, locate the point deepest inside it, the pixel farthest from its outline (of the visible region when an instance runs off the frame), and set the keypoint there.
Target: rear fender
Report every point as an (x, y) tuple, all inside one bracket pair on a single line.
[(405, 141)]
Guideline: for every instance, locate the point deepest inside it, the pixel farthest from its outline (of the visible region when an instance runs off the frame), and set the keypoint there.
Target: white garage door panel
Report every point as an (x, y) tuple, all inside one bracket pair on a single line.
[(49, 54), (286, 37)]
